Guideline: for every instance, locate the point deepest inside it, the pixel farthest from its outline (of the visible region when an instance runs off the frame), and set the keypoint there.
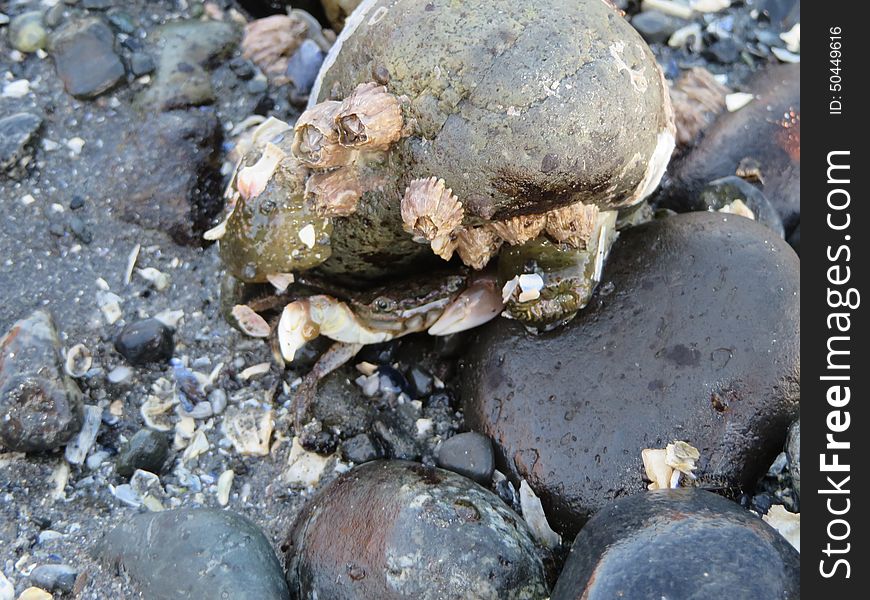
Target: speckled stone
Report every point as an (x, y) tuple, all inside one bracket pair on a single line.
[(396, 529), (693, 335), (687, 544), (85, 57), (195, 553), (40, 406)]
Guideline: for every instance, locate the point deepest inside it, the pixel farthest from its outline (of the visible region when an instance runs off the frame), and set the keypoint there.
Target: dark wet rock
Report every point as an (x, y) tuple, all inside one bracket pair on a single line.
[(27, 32), (40, 407), (121, 21), (766, 132), (169, 172), (724, 51), (794, 240), (339, 405), (397, 431), (146, 341), (420, 382), (723, 192), (54, 578), (141, 63), (687, 544), (146, 450), (85, 57), (257, 86), (243, 68), (396, 529), (783, 14), (303, 66), (195, 553), (17, 136), (671, 351), (362, 448), (469, 454), (185, 52), (793, 451), (656, 27), (77, 202)]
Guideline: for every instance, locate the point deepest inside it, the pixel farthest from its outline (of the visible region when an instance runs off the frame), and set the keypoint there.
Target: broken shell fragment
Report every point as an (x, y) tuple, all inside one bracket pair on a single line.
[(370, 117), (315, 137), (250, 322), (281, 281), (334, 193), (681, 456), (252, 180), (656, 467), (78, 361), (432, 213), (249, 429)]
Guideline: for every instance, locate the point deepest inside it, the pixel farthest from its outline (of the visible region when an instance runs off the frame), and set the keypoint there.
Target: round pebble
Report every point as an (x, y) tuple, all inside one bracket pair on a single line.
[(27, 33), (146, 341), (146, 450), (469, 454)]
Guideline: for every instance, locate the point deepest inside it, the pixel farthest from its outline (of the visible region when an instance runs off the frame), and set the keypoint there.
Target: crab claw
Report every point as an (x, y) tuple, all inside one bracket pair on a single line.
[(337, 321), (477, 305), (295, 329)]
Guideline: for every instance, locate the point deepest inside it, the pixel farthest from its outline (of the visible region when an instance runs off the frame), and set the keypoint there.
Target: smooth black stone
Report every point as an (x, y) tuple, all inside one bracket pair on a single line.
[(40, 406), (362, 448), (394, 529), (685, 543), (695, 339), (469, 454), (146, 341), (76, 203), (146, 450), (767, 130), (656, 27), (85, 58), (420, 383), (195, 553), (392, 382)]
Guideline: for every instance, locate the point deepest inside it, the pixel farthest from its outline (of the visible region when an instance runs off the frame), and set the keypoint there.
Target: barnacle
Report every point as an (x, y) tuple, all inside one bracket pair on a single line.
[(573, 224), (477, 245), (370, 117), (432, 213), (519, 230), (334, 193), (315, 137)]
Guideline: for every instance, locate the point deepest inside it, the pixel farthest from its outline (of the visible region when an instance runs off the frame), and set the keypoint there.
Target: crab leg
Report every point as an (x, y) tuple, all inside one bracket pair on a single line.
[(337, 355)]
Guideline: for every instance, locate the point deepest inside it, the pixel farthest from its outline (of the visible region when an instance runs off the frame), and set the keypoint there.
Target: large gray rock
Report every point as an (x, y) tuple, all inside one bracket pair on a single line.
[(395, 529), (40, 407), (85, 58), (196, 553), (693, 335), (686, 544)]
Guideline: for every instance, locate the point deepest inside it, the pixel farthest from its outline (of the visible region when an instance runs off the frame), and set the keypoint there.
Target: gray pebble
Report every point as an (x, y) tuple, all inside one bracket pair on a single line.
[(141, 63), (27, 33), (146, 450), (362, 448), (54, 578), (468, 454), (85, 58)]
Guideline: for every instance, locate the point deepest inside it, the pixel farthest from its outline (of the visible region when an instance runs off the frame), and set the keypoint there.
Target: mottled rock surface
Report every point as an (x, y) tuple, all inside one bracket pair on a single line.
[(395, 529), (687, 544), (681, 342), (195, 553), (40, 407)]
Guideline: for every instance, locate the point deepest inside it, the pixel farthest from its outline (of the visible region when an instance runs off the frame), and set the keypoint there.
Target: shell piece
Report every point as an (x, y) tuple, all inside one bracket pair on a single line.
[(477, 245), (249, 428), (304, 468), (370, 117), (252, 180), (271, 41), (519, 230), (334, 193), (430, 210), (78, 360), (315, 137), (533, 514), (573, 224), (681, 456), (656, 467), (281, 281), (224, 486)]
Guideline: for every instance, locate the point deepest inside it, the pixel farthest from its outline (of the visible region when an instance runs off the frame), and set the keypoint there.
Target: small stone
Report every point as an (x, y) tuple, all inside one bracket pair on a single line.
[(243, 68), (303, 66), (257, 86), (81, 230), (16, 89), (468, 454), (420, 383), (724, 51), (304, 468), (144, 342), (85, 58), (684, 543), (27, 33), (54, 578), (141, 63), (40, 406), (398, 436), (17, 136), (77, 202), (793, 451), (361, 448), (146, 450), (195, 553), (121, 21), (218, 400), (656, 27), (437, 535)]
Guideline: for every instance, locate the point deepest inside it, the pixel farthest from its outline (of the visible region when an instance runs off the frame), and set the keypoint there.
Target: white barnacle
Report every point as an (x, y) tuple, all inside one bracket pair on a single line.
[(370, 117), (531, 285), (432, 213)]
